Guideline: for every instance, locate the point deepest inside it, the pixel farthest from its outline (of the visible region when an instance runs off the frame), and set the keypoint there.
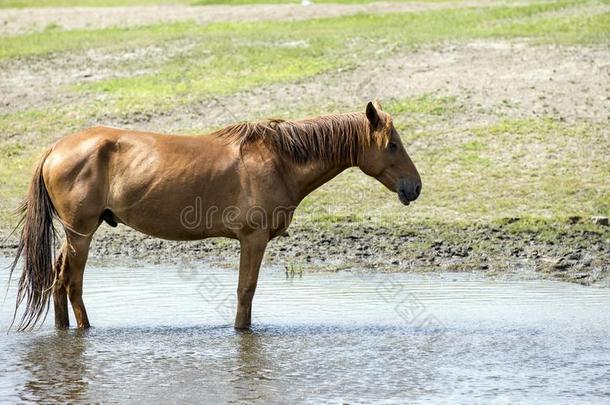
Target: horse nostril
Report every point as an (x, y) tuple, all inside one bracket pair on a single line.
[(417, 190)]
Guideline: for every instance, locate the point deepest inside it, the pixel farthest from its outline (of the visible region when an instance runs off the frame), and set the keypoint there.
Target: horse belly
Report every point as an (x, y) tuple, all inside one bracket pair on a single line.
[(164, 186), (172, 214)]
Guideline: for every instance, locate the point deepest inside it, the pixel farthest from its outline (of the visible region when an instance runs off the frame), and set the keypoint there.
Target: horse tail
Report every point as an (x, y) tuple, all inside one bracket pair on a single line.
[(36, 247)]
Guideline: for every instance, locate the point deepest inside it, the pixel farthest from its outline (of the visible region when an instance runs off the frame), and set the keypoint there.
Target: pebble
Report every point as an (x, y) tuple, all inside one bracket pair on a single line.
[(599, 220)]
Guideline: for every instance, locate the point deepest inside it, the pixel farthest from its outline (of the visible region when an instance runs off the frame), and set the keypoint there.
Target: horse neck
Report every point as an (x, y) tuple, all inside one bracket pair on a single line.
[(306, 177), (303, 179)]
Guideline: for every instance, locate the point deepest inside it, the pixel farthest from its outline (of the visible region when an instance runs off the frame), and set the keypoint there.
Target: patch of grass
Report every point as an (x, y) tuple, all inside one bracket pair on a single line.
[(412, 115), (376, 33), (424, 104), (569, 30), (16, 164), (214, 72), (292, 270), (106, 3), (111, 39), (85, 3), (473, 155), (41, 125), (10, 150), (244, 2)]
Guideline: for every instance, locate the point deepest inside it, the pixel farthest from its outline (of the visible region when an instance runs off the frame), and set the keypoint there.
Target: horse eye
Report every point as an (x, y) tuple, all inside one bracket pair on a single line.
[(392, 146)]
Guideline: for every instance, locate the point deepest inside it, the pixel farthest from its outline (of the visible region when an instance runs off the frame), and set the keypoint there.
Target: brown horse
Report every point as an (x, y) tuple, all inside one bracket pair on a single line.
[(242, 182)]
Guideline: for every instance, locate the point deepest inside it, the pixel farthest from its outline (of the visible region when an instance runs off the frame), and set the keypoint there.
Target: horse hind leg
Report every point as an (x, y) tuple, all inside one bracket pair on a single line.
[(76, 258), (60, 294)]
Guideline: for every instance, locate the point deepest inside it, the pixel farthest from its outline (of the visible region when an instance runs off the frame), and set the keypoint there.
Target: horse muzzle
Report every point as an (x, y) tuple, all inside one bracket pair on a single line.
[(408, 191)]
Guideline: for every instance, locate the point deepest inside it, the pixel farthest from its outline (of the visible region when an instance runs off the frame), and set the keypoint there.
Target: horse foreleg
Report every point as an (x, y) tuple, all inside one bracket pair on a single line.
[(60, 295), (252, 251)]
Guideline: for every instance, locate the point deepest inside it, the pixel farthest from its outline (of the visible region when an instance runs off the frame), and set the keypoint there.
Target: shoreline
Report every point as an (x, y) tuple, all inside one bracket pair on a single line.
[(572, 253)]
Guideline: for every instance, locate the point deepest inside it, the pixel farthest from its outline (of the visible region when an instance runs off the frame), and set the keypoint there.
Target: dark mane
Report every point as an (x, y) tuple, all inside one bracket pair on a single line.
[(333, 138)]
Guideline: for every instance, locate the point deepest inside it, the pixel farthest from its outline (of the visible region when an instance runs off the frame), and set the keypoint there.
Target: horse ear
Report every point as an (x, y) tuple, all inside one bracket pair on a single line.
[(372, 114), (377, 104)]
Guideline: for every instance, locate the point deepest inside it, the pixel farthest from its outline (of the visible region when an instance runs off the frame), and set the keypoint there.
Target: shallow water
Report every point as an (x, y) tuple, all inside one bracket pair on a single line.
[(165, 333)]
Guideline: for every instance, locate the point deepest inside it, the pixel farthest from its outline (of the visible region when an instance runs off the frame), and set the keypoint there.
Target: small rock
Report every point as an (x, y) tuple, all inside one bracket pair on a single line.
[(574, 219), (560, 264), (599, 220)]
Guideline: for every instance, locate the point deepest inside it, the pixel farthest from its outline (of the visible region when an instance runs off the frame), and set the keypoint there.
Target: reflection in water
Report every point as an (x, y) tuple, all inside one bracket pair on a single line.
[(160, 337), (253, 372), (56, 368)]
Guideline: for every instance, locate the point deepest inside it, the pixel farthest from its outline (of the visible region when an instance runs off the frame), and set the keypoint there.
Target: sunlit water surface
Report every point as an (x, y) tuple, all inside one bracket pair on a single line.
[(164, 334)]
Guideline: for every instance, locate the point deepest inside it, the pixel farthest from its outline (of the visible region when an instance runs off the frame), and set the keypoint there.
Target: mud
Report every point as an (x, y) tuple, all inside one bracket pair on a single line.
[(575, 254)]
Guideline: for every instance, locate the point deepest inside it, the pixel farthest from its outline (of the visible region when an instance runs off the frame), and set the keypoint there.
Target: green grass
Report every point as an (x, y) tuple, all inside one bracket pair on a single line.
[(112, 39), (240, 2), (16, 161), (424, 104), (376, 31), (567, 30), (106, 3), (214, 72), (40, 121), (84, 3)]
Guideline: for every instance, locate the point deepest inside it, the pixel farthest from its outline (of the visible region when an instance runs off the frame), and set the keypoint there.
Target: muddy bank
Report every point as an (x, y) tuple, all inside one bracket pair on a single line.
[(573, 253)]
